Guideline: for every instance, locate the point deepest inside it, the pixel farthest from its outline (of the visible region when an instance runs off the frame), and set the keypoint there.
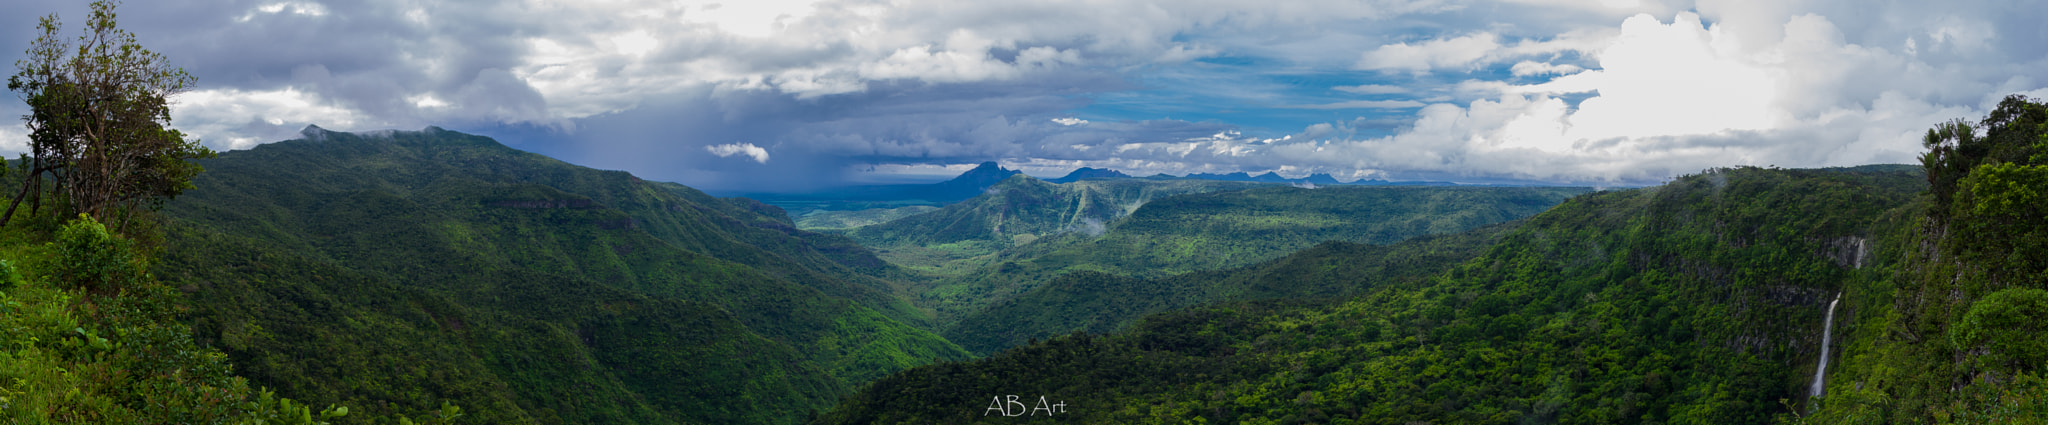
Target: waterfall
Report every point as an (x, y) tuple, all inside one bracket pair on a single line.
[(1826, 333)]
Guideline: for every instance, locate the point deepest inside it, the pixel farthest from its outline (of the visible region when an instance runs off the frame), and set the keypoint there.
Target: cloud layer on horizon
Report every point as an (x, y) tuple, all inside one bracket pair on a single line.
[(1619, 92)]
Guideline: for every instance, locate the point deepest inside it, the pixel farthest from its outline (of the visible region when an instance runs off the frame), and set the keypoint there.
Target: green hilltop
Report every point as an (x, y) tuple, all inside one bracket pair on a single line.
[(407, 268)]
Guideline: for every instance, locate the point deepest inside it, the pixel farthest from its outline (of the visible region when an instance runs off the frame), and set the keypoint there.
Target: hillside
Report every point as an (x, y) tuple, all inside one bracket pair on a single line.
[(93, 338), (1699, 301), (1097, 302), (840, 221), (1222, 229), (405, 268)]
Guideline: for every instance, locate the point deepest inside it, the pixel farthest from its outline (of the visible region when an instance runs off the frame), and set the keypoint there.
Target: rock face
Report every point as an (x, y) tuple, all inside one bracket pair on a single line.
[(1850, 252)]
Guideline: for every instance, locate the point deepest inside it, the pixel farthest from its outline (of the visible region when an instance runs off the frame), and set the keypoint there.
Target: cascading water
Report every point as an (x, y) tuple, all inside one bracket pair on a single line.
[(1826, 335)]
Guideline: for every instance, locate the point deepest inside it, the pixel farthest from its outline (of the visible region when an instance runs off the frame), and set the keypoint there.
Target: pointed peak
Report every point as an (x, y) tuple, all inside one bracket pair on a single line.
[(983, 175), (314, 133)]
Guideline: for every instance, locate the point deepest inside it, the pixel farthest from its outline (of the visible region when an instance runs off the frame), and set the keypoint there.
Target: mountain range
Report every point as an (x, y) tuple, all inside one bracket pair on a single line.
[(446, 276)]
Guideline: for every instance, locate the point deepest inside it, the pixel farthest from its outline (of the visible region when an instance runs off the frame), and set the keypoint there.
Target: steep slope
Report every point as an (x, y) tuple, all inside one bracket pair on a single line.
[(1955, 335), (1098, 302), (1698, 301), (1216, 230), (556, 293), (505, 344)]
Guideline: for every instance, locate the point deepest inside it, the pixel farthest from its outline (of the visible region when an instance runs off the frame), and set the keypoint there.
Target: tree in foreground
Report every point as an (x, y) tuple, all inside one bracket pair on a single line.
[(97, 131)]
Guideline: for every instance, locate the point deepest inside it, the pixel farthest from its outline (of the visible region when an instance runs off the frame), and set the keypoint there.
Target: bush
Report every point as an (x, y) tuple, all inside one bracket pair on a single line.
[(8, 277), (90, 258), (2008, 323)]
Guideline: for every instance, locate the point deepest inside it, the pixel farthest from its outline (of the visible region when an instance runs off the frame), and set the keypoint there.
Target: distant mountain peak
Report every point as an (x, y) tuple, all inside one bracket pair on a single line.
[(1090, 173), (983, 175), (314, 133)]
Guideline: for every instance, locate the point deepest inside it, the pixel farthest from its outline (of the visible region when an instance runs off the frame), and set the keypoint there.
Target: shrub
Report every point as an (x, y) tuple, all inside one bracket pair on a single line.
[(90, 258), (2008, 323)]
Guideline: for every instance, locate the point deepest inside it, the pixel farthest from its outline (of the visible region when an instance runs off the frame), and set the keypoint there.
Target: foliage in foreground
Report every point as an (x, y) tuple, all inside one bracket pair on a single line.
[(98, 127), (88, 336)]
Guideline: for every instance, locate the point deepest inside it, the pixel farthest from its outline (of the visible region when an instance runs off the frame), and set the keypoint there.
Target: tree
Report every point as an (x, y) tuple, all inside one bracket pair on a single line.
[(97, 132)]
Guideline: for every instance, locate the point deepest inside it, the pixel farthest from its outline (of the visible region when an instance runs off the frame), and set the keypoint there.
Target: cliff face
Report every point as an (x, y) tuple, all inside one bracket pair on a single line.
[(1952, 332)]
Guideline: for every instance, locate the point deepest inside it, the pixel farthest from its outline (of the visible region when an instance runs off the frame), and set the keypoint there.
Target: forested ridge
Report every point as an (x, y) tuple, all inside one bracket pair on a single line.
[(1098, 302), (1698, 301), (405, 268), (1221, 229), (1695, 301)]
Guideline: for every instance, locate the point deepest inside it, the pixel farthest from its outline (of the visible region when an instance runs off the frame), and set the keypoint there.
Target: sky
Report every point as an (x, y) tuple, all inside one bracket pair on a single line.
[(797, 95)]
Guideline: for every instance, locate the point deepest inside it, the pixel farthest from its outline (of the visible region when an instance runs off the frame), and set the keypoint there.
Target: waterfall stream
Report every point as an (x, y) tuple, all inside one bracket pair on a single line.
[(1826, 336)]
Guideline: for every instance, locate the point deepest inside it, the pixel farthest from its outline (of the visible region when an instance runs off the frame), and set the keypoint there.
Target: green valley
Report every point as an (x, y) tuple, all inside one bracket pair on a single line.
[(825, 213), (1202, 231), (1696, 301)]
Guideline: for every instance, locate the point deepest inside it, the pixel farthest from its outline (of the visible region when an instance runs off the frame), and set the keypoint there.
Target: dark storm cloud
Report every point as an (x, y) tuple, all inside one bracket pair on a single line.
[(815, 143), (795, 93)]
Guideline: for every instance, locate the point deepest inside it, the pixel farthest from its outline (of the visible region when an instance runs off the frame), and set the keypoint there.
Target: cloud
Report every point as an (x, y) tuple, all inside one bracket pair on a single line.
[(1679, 97), (13, 139), (1529, 68), (1420, 58), (241, 119), (756, 152), (1371, 89), (1548, 90), (1654, 80), (1363, 104)]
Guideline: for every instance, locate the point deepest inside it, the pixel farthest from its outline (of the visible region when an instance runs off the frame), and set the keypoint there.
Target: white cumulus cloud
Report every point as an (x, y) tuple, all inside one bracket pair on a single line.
[(756, 152)]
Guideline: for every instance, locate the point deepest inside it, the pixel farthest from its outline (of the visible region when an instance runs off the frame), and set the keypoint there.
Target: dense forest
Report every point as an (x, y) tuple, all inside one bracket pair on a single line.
[(1696, 301), (1098, 302), (353, 269), (1221, 229)]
